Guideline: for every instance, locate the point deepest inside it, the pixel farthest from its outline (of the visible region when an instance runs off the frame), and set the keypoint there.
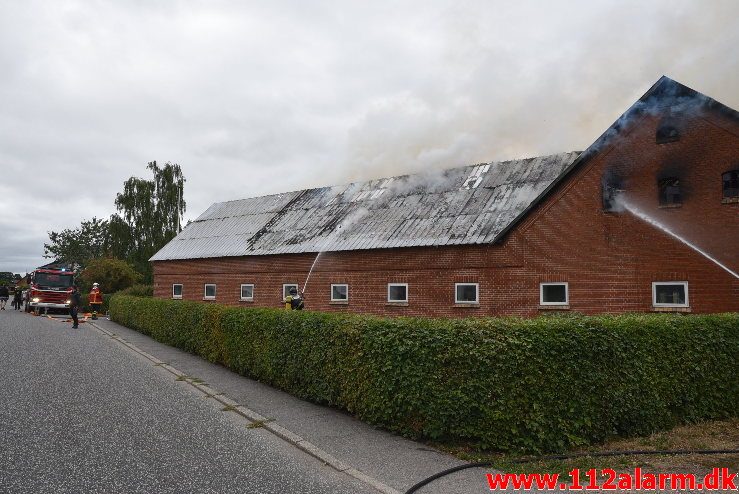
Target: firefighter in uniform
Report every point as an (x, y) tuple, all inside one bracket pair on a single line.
[(95, 299), (294, 301)]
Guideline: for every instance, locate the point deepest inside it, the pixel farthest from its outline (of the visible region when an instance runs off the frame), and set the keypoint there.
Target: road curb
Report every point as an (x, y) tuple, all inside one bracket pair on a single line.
[(256, 419)]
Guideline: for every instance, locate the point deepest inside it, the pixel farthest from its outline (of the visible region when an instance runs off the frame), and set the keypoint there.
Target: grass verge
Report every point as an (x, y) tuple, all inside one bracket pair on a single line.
[(713, 435)]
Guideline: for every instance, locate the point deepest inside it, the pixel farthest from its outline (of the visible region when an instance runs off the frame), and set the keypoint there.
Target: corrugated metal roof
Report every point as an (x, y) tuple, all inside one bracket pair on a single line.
[(467, 205)]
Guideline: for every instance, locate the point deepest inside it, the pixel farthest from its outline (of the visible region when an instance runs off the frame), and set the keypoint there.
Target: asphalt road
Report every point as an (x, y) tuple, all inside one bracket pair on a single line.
[(80, 413)]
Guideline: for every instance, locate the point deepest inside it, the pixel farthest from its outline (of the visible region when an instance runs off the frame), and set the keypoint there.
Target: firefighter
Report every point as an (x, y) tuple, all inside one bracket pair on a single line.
[(294, 301), (95, 299)]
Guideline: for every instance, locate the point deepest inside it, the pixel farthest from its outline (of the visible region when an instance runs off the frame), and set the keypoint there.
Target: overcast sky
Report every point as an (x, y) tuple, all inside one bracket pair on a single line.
[(254, 98)]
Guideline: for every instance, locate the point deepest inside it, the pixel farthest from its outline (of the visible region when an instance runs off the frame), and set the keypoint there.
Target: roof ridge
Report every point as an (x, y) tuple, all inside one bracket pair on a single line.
[(441, 170)]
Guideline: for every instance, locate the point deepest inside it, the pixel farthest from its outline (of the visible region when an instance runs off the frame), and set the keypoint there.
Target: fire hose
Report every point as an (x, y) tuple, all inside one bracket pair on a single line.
[(570, 456)]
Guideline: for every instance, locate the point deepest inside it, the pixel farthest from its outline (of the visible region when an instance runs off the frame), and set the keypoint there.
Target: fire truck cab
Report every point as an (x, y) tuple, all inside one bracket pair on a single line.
[(50, 287)]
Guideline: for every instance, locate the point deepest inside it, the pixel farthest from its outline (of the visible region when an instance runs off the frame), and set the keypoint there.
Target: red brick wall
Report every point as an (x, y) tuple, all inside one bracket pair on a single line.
[(608, 259)]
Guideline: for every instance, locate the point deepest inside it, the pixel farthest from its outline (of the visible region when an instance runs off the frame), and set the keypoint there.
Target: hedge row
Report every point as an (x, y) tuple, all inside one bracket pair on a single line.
[(531, 385)]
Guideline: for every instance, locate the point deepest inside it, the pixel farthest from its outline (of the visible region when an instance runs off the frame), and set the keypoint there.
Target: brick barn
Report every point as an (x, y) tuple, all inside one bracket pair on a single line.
[(645, 219)]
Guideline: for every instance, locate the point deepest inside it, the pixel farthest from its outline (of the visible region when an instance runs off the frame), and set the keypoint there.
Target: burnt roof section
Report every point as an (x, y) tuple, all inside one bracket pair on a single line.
[(467, 205)]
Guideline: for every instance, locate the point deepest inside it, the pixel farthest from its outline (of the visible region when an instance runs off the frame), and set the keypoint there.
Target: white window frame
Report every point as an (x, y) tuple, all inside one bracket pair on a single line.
[(205, 291), (397, 301), (655, 284), (241, 292), (181, 290), (286, 292), (477, 293), (339, 299), (550, 283)]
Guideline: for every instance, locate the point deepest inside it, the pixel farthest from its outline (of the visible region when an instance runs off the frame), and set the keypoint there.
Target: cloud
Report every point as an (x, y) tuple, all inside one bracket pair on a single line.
[(533, 80)]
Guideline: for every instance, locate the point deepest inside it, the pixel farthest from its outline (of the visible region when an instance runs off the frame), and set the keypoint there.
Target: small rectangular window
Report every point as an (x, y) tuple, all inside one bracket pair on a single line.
[(554, 294), (210, 291), (669, 192), (247, 292), (612, 188), (730, 182), (176, 290), (466, 293), (397, 292), (667, 132), (339, 293), (670, 294), (286, 289)]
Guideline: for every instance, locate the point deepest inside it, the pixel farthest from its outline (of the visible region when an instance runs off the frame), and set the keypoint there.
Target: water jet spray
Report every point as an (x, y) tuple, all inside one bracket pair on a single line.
[(348, 221), (620, 199)]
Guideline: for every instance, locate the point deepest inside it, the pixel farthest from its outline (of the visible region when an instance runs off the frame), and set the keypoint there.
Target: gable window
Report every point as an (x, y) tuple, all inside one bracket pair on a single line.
[(667, 132), (669, 192), (397, 292), (210, 291), (177, 290), (466, 293), (247, 292), (612, 187), (339, 292), (286, 289), (730, 181), (554, 294), (670, 294)]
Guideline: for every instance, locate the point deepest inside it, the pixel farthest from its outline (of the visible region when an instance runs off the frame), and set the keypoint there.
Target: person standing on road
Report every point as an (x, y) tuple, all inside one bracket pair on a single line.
[(17, 298), (95, 299), (74, 306), (4, 295)]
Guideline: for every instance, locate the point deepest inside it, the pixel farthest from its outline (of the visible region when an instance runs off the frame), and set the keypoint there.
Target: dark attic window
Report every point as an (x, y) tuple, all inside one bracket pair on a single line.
[(669, 192), (730, 181), (667, 132), (611, 190)]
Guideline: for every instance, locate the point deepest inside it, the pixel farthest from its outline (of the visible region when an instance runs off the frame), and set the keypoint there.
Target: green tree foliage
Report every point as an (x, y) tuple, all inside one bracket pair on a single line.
[(112, 275), (148, 217), (138, 291), (78, 245)]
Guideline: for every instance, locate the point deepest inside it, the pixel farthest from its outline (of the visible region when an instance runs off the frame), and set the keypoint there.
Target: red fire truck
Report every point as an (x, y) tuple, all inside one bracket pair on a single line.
[(50, 287)]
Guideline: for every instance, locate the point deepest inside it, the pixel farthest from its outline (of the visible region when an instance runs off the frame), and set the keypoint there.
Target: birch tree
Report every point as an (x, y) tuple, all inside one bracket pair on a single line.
[(149, 213)]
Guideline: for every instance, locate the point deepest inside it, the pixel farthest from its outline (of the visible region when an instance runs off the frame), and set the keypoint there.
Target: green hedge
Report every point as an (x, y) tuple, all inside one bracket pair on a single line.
[(534, 385)]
